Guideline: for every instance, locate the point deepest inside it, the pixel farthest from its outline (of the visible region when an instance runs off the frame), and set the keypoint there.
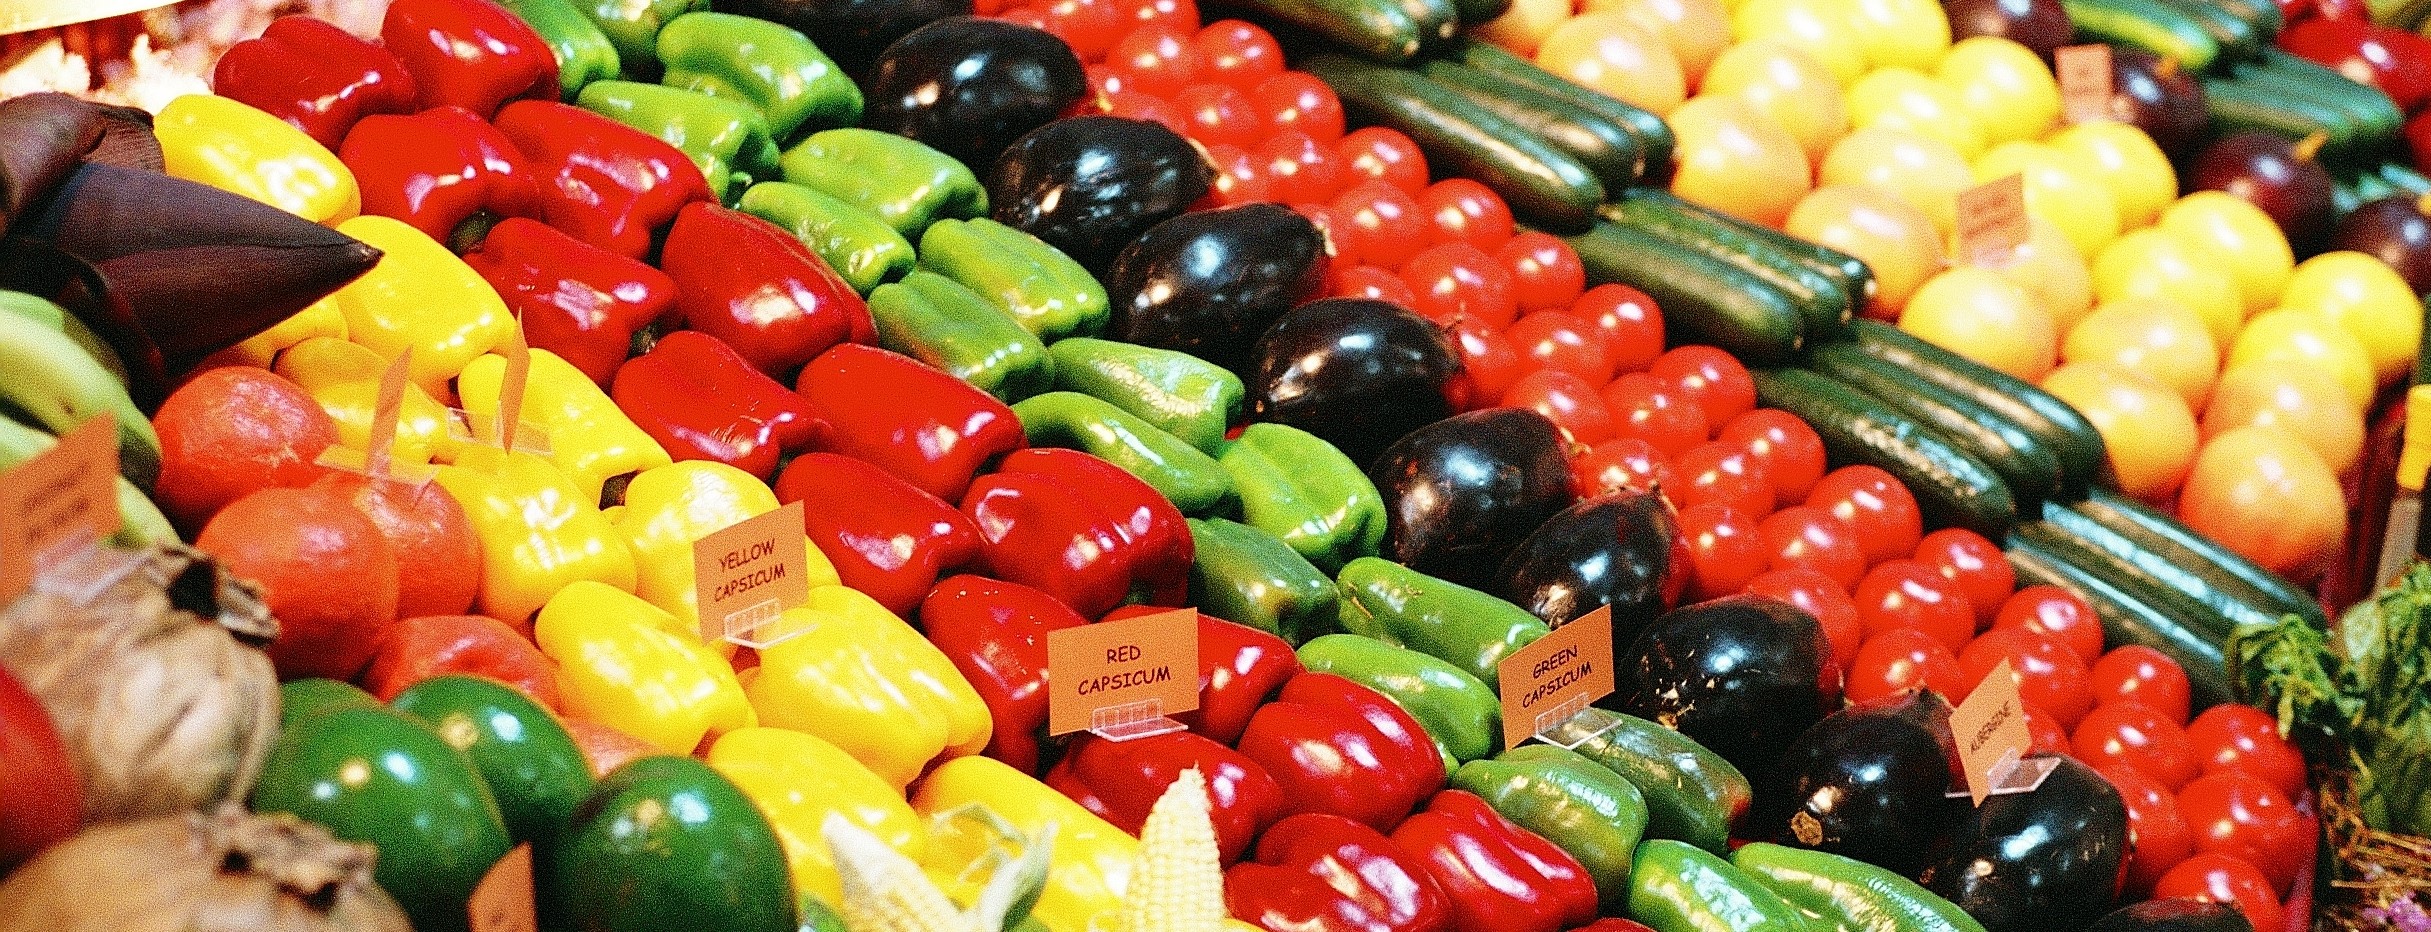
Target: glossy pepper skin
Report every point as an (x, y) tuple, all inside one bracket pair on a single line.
[(421, 297), (438, 167), (1091, 859), (904, 183), (241, 150), (628, 664), (1498, 876), (701, 400), (345, 379), (1573, 802), (1081, 529), (470, 53), (418, 649), (633, 27), (1338, 747), (583, 53), (727, 139), (663, 843), (317, 77), (930, 429), (1240, 668), (1296, 486), (1462, 715), (1467, 628), (1324, 873), (539, 533), (577, 300), (861, 678), (936, 320), (746, 281), (1243, 574), (1188, 397), (671, 507), (528, 761), (797, 779), (1121, 780), (46, 799), (588, 438), (768, 65), (1680, 886), (995, 632), (855, 243), (1034, 283), (602, 182), (1190, 479), (887, 538)]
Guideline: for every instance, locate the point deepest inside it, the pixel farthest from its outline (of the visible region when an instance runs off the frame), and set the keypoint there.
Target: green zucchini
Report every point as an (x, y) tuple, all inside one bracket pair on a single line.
[(2128, 620), (2194, 591), (2151, 25), (1704, 299), (2371, 108), (1389, 31), (1851, 272), (1473, 12), (2248, 102), (1609, 149), (2237, 39), (2263, 15), (2049, 420), (1952, 488), (1650, 129), (1543, 185), (2172, 541), (2098, 561), (1824, 305), (2031, 469)]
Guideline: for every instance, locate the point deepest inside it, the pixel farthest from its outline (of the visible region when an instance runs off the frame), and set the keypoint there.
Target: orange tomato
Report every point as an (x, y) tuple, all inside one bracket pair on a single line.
[(1735, 160), (1786, 84), (1525, 25), (1986, 318), (1822, 28), (2148, 430), (2154, 336), (2265, 494), (1927, 173), (2049, 268), (1896, 240), (2306, 402), (1610, 53), (1696, 30), (2303, 339)]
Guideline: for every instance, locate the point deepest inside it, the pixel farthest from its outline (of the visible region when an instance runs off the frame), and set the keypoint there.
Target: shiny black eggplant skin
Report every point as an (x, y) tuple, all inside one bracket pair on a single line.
[(968, 86), (1209, 282), (2048, 859), (1865, 783), (1463, 493), (1740, 674), (1090, 185), (1611, 550), (1356, 372), (852, 32), (2174, 915)]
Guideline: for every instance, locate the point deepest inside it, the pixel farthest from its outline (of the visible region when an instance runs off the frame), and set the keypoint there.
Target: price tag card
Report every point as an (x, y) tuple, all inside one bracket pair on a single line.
[(2084, 73), (63, 499), (1557, 676), (1992, 221), (1122, 678), (502, 902), (1992, 740), (749, 573)]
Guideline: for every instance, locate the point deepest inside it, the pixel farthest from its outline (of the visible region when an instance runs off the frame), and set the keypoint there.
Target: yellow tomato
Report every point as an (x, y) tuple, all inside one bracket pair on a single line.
[(2048, 267), (1821, 28), (2365, 296), (2126, 161), (2258, 252), (2306, 402), (1908, 99), (1926, 173), (1790, 86), (2005, 86), (2156, 337), (2058, 191), (1980, 315), (1901, 33), (2151, 264), (1897, 241), (1696, 30), (1735, 160), (1608, 53), (2304, 339), (2147, 428), (2266, 495), (1525, 25)]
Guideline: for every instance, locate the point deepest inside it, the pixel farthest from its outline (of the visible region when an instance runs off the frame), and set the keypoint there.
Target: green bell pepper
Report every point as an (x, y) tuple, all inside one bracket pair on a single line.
[(1189, 479), (633, 25), (1036, 283), (1692, 794), (532, 767), (932, 318), (584, 53), (1298, 487), (1244, 575), (1848, 893), (302, 702), (666, 843), (374, 776), (1470, 629), (905, 183), (1189, 397), (767, 65), (1460, 713), (1678, 887), (1574, 802), (854, 242), (726, 138)]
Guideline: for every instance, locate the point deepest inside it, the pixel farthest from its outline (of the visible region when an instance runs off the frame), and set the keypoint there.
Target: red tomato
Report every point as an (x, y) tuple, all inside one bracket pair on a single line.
[(2215, 878), (1457, 280), (1567, 401), (1464, 211), (1976, 565), (1789, 449), (2142, 676), (1632, 324), (1090, 27), (2049, 676), (2047, 737), (1238, 54), (1299, 168), (1381, 153), (1817, 595), (1488, 364), (1134, 105), (1902, 659), (1624, 463), (1296, 100), (1723, 473), (2241, 816), (1376, 223), (1645, 408), (2136, 735), (1559, 340), (1182, 14), (1219, 114), (1908, 594), (1545, 272), (1353, 280), (2156, 835), (2245, 739), (1034, 17), (1709, 377), (1876, 506), (1239, 178), (1723, 552), (1810, 538), (1154, 59), (2056, 612)]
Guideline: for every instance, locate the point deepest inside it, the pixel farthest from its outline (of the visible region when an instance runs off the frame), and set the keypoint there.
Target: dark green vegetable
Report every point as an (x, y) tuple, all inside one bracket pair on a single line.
[(2127, 619), (1952, 487), (1704, 299), (1544, 185)]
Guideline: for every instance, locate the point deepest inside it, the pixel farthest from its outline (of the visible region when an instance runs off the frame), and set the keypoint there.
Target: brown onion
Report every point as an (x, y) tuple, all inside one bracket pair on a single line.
[(228, 872)]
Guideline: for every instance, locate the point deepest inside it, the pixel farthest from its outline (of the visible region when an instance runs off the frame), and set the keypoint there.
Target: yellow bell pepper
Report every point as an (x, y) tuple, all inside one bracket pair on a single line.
[(212, 140), (538, 533), (422, 296), (797, 779), (345, 378), (853, 673), (1091, 860), (667, 508), (589, 437), (322, 319), (618, 665)]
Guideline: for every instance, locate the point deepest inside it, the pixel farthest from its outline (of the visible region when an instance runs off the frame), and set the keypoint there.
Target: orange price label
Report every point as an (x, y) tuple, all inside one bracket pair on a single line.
[(750, 572), (1119, 672), (1556, 676), (67, 493), (511, 385), (1991, 731), (2084, 74), (1992, 220), (502, 902)]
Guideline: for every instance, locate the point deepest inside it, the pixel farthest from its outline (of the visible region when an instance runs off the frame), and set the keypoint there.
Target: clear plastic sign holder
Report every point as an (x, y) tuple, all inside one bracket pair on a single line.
[(1561, 727), (2014, 774), (744, 626), (1133, 721)]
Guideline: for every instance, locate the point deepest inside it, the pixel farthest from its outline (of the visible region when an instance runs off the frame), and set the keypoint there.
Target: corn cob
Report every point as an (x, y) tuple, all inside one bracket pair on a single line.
[(1179, 883), (883, 890)]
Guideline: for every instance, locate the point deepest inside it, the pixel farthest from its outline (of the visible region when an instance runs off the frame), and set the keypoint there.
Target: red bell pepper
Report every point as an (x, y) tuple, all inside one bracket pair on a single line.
[(1121, 780), (1151, 526), (577, 300), (435, 168), (702, 400), (995, 632), (887, 538), (748, 282), (471, 53), (928, 428), (2418, 137), (1240, 667), (316, 76), (1498, 876), (602, 182), (1324, 873), (417, 649), (1341, 748), (45, 801), (2394, 60), (1041, 532)]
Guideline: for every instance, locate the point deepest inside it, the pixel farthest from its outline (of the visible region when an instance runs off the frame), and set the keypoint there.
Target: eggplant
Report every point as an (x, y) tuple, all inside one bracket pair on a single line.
[(2048, 859), (2175, 915), (1209, 282), (968, 86), (2158, 97), (2393, 230), (2041, 25), (1742, 675), (1612, 550), (853, 32), (1461, 494), (1865, 783), (1090, 185), (1356, 372), (2275, 174)]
